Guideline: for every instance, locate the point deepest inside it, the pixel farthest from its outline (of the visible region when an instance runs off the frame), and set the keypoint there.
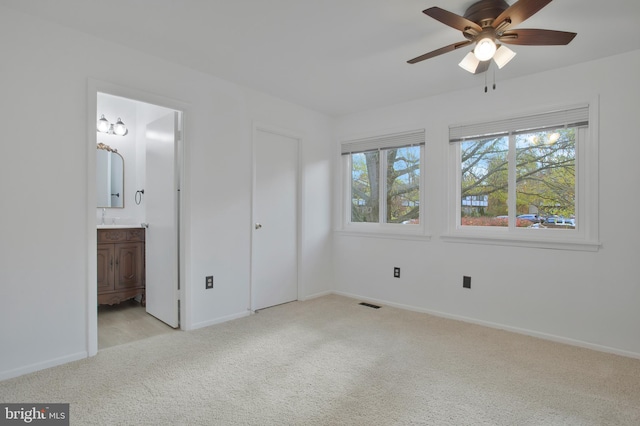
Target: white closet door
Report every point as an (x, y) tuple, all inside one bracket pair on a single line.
[(274, 273)]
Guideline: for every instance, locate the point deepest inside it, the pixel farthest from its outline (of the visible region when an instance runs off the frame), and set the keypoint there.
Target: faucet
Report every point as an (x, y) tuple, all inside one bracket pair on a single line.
[(104, 211)]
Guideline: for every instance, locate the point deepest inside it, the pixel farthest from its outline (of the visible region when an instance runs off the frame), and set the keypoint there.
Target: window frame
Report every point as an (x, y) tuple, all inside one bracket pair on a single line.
[(583, 238), (380, 228)]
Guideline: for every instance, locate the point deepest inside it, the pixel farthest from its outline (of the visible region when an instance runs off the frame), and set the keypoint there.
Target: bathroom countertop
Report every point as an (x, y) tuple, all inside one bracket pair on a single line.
[(118, 226)]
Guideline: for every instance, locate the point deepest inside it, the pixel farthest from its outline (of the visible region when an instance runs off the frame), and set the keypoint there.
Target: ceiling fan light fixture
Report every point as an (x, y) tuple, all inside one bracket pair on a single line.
[(485, 49), (470, 63), (503, 55)]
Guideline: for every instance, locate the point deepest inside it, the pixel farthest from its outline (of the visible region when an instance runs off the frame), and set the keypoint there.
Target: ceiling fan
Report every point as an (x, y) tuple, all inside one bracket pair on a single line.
[(488, 23)]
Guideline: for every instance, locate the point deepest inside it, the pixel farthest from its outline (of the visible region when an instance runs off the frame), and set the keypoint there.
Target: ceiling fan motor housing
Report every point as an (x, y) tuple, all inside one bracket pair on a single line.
[(485, 11)]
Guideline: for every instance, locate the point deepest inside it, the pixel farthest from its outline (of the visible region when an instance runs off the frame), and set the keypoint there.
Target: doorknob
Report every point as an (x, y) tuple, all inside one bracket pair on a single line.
[(258, 225)]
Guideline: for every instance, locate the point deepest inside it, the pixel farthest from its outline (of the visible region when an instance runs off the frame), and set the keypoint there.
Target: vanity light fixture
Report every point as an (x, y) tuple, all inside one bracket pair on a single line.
[(118, 128), (103, 124)]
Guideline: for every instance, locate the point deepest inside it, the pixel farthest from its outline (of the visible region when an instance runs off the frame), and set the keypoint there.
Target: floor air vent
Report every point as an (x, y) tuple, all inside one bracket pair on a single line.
[(369, 305)]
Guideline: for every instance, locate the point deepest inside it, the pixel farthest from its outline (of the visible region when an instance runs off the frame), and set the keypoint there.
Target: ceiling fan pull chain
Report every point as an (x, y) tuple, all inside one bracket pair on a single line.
[(494, 79)]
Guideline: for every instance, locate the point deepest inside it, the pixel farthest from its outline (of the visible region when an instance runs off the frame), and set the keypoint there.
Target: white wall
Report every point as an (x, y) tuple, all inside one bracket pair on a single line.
[(44, 277), (586, 298)]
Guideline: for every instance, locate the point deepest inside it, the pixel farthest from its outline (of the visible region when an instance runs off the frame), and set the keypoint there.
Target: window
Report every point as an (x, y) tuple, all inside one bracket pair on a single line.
[(383, 180), (527, 178)]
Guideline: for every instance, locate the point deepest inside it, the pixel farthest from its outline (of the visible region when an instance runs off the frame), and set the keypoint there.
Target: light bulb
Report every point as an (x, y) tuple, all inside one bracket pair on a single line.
[(120, 129), (103, 124), (485, 48)]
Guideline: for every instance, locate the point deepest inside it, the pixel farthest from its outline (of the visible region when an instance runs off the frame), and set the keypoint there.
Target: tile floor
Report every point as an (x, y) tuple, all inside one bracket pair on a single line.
[(126, 322)]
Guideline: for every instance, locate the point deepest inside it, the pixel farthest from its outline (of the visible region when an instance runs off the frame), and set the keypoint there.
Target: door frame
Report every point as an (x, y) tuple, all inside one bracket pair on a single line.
[(95, 87), (258, 127)]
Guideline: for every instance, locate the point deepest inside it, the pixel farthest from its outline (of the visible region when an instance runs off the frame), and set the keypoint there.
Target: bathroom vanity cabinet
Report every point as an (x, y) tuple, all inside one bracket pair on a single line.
[(121, 268)]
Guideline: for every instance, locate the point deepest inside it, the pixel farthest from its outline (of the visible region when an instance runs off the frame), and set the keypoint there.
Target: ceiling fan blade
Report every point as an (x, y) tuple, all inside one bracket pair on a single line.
[(532, 37), (518, 12), (451, 19), (437, 52)]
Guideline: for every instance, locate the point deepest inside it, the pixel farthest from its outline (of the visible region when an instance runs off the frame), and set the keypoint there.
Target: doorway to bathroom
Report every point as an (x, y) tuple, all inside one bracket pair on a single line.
[(151, 149)]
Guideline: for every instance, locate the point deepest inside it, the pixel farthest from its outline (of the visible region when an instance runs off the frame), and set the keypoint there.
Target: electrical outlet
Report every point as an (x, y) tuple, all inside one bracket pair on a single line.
[(209, 282), (396, 272), (466, 282)]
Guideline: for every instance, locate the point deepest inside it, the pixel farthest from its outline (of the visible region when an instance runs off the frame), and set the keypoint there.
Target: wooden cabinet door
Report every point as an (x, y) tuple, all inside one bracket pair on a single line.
[(105, 267), (129, 265)]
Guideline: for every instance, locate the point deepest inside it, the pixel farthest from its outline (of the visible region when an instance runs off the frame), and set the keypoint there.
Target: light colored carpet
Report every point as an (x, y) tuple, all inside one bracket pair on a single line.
[(330, 361)]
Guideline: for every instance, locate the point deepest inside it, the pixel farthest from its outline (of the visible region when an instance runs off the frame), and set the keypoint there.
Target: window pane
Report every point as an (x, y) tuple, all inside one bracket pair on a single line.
[(403, 185), (484, 172), (365, 187), (545, 177)]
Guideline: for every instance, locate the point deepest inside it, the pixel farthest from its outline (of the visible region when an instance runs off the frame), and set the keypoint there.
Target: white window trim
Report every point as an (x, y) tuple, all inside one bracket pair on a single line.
[(380, 229), (583, 238)]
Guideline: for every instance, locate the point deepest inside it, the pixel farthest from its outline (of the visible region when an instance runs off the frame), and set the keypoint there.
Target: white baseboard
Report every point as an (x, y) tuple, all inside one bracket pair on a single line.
[(219, 320), (527, 332), (316, 295), (8, 374)]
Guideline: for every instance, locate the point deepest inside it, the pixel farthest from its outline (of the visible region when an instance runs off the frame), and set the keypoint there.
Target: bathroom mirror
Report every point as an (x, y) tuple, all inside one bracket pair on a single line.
[(109, 177)]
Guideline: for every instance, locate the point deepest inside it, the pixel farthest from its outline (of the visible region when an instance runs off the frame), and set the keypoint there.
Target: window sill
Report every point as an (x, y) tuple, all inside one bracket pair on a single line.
[(386, 234), (511, 241)]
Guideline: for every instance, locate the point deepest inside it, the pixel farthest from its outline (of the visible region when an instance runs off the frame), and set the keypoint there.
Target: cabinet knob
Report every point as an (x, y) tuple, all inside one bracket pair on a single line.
[(258, 225)]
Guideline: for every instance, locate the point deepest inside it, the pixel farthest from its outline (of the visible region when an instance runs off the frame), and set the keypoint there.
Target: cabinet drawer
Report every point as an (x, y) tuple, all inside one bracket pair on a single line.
[(135, 234), (120, 235)]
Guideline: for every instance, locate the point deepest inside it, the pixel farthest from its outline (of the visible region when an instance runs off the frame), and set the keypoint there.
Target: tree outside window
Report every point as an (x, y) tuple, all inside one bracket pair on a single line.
[(536, 167), (393, 199)]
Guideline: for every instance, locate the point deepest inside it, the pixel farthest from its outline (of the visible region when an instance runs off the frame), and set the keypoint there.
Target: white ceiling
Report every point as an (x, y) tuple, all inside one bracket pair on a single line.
[(335, 56)]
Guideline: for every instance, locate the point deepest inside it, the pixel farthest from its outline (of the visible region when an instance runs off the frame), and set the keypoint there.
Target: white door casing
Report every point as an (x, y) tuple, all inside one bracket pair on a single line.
[(274, 248)]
